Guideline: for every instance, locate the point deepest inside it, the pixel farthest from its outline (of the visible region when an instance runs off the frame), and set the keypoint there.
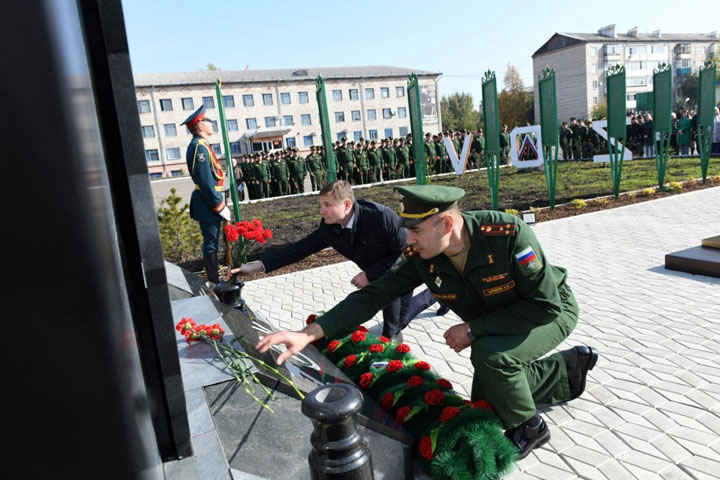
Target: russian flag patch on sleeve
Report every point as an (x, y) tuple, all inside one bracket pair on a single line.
[(528, 261)]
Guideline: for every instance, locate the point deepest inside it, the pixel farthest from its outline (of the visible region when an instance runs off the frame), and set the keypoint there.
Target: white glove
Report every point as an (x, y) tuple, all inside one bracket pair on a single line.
[(225, 213)]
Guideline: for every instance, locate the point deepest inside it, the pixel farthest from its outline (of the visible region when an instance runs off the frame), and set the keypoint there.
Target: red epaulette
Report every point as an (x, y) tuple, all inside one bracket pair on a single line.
[(501, 229)]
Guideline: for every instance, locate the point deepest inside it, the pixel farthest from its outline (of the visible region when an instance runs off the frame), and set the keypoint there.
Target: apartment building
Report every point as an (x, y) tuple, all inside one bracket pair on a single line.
[(268, 110), (580, 61)]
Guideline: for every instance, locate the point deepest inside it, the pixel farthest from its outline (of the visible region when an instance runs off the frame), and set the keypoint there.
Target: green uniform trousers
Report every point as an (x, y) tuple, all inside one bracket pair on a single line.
[(509, 375)]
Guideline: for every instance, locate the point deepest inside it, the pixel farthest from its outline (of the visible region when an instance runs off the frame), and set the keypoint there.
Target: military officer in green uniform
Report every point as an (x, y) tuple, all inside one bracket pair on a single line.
[(516, 307), (300, 169), (374, 162), (566, 141), (477, 150), (262, 174), (505, 145), (207, 202), (314, 168), (362, 163), (389, 159), (430, 152), (442, 153), (344, 155), (403, 158), (576, 140)]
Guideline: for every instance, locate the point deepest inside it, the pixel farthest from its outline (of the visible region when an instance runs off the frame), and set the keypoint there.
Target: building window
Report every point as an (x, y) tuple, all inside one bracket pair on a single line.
[(387, 113), (285, 98), (228, 101), (209, 102), (372, 114), (369, 93), (403, 131), (305, 119), (399, 91), (354, 95), (658, 49), (357, 135), (166, 105), (248, 101), (388, 132), (154, 175), (270, 121), (144, 106), (188, 103), (594, 68), (232, 125), (339, 117), (170, 130), (630, 97), (594, 84), (340, 135), (303, 97), (251, 123), (337, 95), (290, 142), (384, 92), (235, 148), (152, 155), (216, 148), (402, 112), (173, 153), (267, 99), (308, 140), (637, 50), (214, 126), (593, 51), (372, 134), (148, 131), (355, 114), (612, 49), (288, 120), (176, 173)]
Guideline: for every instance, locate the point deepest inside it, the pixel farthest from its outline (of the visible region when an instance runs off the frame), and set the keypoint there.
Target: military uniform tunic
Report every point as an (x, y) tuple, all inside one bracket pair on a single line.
[(207, 199), (517, 304)]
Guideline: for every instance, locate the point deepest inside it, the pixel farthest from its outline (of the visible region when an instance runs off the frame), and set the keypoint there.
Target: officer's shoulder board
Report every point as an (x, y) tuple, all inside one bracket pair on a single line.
[(405, 256), (199, 152), (499, 229)]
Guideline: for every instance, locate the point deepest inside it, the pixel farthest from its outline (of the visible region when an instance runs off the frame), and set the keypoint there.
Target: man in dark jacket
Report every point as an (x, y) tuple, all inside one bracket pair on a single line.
[(365, 232)]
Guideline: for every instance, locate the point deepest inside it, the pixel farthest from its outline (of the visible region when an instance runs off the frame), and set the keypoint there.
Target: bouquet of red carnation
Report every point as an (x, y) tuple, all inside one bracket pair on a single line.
[(243, 236)]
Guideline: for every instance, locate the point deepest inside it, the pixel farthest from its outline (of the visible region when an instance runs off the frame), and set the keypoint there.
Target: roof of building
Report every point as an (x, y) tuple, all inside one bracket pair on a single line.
[(562, 40), (284, 75)]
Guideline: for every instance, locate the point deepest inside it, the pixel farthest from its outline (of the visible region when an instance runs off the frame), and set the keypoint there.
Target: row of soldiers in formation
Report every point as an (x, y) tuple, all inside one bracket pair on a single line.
[(271, 174), (579, 141)]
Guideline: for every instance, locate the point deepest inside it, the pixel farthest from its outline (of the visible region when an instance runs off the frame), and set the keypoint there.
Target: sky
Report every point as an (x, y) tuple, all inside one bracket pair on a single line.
[(460, 39)]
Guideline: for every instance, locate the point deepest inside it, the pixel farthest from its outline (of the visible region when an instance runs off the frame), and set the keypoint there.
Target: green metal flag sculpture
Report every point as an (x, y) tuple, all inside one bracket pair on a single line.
[(662, 122), (416, 129), (325, 129), (617, 130), (492, 134), (706, 114), (228, 156), (549, 129)]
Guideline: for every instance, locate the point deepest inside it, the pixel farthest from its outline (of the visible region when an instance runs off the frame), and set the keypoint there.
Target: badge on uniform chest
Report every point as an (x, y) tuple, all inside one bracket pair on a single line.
[(438, 281)]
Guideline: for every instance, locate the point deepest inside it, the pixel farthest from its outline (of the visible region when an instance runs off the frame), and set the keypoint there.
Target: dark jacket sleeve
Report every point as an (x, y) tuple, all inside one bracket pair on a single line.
[(395, 238), (294, 252)]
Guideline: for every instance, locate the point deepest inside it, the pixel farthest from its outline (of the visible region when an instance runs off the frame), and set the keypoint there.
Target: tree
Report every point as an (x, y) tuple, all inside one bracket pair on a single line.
[(515, 104), (179, 235), (688, 91), (211, 67), (599, 111), (458, 112)]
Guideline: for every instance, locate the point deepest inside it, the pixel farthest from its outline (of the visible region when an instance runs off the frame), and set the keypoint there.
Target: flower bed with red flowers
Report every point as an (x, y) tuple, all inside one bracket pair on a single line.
[(456, 438)]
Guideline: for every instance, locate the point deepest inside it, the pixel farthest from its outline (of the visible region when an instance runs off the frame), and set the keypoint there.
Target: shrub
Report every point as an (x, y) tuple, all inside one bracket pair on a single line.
[(536, 210), (675, 187), (180, 236), (579, 203), (690, 182), (601, 201), (512, 211), (648, 192), (631, 194)]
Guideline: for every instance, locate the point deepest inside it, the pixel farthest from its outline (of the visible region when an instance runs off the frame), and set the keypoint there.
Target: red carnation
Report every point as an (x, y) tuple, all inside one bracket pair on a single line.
[(422, 366), (434, 397), (402, 414), (366, 380), (484, 404), (333, 345), (387, 401), (268, 234), (311, 318), (426, 448), (448, 413), (415, 381), (350, 360), (215, 331), (384, 339), (444, 384), (358, 336), (362, 328), (394, 365), (377, 348), (185, 324), (403, 348)]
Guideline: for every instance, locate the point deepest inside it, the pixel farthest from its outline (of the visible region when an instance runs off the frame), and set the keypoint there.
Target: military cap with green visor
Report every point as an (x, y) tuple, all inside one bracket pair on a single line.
[(420, 202)]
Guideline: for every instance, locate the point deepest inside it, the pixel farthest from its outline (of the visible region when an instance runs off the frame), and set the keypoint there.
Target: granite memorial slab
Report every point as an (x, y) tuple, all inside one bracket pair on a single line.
[(183, 284), (695, 260)]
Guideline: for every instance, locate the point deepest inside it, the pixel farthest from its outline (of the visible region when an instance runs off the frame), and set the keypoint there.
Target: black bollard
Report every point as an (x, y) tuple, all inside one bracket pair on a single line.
[(338, 449), (229, 293)]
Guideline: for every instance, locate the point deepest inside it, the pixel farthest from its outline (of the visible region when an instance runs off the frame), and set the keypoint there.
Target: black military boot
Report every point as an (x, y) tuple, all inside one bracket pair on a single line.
[(579, 361), (211, 267), (443, 310), (528, 435)]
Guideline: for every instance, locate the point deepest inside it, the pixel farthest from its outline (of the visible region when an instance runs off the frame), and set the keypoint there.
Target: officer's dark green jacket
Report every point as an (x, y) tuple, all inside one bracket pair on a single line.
[(507, 286)]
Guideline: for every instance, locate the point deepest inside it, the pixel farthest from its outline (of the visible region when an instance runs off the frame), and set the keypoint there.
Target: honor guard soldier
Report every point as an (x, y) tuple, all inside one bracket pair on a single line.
[(207, 203), (515, 306)]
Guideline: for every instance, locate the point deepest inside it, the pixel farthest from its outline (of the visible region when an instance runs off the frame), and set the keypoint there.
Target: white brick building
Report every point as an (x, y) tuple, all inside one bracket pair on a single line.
[(272, 109), (580, 61)]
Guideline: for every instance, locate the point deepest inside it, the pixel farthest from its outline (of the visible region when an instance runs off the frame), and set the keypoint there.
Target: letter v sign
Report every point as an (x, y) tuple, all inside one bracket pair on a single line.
[(459, 164)]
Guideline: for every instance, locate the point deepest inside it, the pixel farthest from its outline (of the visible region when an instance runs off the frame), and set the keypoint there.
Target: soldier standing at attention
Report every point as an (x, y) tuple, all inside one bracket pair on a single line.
[(345, 161), (441, 152), (576, 140), (430, 152), (374, 162), (516, 307), (314, 169), (505, 145), (207, 203), (566, 141), (300, 170)]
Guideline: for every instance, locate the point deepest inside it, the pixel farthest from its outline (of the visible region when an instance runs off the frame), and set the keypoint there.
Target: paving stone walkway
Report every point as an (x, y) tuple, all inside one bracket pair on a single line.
[(652, 404)]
